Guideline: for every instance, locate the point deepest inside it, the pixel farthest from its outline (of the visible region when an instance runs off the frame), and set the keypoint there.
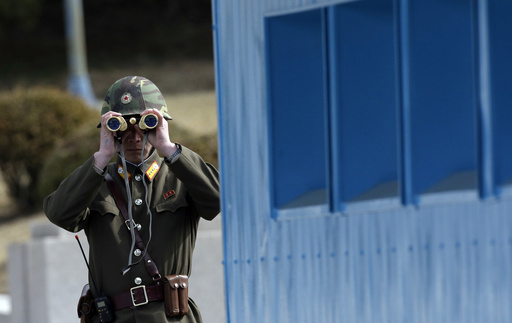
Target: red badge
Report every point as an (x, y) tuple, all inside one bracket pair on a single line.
[(169, 194), (126, 98)]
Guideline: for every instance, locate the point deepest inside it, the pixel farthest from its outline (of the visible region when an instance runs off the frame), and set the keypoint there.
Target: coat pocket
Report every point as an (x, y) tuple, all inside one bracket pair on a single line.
[(104, 207), (171, 205)]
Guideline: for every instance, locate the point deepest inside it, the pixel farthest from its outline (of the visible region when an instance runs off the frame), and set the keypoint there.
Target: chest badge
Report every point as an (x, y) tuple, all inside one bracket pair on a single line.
[(152, 170), (169, 194)]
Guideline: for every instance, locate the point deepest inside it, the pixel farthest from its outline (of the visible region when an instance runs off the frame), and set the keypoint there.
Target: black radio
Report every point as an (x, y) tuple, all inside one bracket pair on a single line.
[(104, 308)]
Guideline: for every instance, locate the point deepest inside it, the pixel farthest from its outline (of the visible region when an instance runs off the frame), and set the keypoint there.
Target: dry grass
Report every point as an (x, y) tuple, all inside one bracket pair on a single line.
[(194, 110), (173, 77)]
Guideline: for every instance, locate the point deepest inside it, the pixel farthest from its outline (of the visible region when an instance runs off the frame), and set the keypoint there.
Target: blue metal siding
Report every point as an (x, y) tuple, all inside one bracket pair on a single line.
[(439, 262)]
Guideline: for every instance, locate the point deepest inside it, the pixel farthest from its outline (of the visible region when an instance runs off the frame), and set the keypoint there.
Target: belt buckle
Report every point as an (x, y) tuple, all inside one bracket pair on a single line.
[(145, 295)]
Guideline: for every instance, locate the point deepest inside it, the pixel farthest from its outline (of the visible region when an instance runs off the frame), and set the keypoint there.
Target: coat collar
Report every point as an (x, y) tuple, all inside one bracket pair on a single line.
[(151, 166)]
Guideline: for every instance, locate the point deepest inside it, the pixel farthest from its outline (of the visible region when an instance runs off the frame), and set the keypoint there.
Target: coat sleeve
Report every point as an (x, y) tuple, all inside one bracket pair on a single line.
[(201, 180), (67, 207)]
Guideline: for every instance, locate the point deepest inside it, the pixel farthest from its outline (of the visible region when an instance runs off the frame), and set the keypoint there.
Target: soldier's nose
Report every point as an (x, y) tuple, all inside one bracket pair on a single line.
[(131, 134)]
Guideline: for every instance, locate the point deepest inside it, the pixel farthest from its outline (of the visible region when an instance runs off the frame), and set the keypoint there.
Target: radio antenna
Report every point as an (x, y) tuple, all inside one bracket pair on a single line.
[(89, 268)]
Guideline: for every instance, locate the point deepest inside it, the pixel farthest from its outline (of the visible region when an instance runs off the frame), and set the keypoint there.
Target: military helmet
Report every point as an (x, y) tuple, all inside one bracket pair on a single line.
[(133, 94)]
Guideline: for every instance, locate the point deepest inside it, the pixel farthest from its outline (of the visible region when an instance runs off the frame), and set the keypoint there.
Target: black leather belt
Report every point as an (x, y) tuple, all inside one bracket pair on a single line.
[(138, 295)]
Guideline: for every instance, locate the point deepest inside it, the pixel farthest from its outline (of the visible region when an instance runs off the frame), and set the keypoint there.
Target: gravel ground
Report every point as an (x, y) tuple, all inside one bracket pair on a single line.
[(195, 111)]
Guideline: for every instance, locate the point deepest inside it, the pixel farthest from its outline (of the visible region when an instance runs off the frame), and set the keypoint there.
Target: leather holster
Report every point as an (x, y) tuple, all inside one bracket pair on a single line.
[(85, 308)]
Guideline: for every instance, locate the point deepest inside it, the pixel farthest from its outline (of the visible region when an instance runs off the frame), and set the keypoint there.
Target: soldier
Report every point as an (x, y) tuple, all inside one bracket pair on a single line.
[(146, 231)]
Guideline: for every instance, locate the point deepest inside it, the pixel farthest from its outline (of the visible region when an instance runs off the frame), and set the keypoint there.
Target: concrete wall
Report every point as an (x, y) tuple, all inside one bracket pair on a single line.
[(46, 275), (5, 308)]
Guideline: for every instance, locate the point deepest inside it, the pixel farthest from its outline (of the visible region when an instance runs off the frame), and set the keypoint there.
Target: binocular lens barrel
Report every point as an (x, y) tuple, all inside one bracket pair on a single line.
[(148, 121), (116, 124)]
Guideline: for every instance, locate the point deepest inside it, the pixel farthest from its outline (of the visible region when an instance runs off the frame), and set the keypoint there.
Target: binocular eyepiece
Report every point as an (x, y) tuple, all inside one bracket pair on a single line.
[(146, 122)]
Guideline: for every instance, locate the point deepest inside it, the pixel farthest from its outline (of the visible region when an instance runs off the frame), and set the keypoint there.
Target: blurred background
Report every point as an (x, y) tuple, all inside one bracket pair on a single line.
[(45, 132), (144, 35)]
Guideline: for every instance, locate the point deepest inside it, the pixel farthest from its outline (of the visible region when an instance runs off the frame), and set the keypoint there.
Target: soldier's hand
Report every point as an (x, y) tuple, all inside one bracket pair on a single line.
[(109, 145), (159, 136)]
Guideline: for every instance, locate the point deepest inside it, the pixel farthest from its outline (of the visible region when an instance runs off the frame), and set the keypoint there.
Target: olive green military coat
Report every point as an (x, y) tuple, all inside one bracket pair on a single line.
[(178, 195)]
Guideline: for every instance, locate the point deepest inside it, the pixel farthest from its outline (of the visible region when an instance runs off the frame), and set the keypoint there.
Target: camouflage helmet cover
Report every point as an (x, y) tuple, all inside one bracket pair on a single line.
[(133, 94)]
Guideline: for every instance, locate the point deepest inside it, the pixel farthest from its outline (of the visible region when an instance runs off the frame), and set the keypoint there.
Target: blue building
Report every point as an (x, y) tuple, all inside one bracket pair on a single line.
[(366, 159)]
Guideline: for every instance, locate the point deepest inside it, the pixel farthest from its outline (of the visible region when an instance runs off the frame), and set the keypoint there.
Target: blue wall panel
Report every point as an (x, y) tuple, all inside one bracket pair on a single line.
[(500, 78), (297, 108), (441, 262), (364, 90), (442, 103)]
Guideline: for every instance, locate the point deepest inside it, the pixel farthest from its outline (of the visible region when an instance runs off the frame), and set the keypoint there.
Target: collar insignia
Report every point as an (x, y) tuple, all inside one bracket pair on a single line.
[(152, 170), (120, 171)]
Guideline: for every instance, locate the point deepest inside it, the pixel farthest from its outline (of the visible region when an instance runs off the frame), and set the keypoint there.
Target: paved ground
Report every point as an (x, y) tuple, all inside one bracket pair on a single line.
[(207, 279)]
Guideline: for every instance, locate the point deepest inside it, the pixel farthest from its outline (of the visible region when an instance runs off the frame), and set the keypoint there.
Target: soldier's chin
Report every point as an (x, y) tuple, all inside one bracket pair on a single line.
[(133, 155)]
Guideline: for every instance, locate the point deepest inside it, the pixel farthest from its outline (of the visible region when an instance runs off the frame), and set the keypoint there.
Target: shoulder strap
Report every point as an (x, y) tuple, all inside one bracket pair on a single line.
[(150, 264)]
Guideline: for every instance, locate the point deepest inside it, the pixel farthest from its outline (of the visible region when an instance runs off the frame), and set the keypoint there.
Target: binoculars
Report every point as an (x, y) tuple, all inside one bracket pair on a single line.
[(146, 122)]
